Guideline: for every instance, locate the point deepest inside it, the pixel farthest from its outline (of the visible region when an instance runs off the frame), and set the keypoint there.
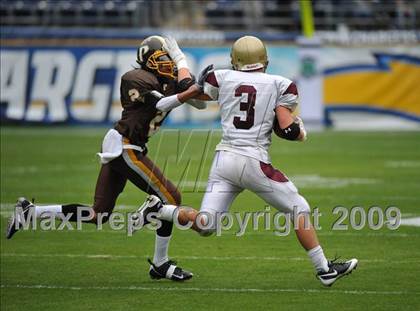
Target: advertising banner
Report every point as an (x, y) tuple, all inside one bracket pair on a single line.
[(80, 85)]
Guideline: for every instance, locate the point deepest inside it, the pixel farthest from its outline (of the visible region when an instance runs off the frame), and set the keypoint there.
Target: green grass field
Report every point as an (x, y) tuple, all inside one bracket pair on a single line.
[(89, 269)]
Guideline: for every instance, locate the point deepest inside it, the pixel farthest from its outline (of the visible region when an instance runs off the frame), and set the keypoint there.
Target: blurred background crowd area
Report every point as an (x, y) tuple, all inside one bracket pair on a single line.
[(275, 15)]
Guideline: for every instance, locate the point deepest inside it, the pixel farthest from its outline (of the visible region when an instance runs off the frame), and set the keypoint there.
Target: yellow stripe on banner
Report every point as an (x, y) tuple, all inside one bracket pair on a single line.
[(396, 89), (306, 18), (153, 177)]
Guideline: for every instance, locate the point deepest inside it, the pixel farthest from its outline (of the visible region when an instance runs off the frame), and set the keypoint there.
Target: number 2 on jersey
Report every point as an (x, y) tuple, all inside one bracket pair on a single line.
[(248, 106)]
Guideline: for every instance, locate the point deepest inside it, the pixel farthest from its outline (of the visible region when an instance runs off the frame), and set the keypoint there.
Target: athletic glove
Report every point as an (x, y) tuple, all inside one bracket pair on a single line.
[(171, 46), (203, 76)]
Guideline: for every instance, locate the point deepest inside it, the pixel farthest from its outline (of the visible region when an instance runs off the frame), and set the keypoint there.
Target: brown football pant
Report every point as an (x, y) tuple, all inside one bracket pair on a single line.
[(132, 165)]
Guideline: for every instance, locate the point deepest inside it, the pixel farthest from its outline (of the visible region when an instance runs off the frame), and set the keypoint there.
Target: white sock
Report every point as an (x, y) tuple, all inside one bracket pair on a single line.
[(318, 258), (161, 249), (168, 212), (51, 209)]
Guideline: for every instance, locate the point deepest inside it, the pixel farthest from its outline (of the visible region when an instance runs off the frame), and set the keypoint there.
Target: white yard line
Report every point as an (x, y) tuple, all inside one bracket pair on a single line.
[(403, 164), (223, 290), (317, 181), (215, 258), (415, 222)]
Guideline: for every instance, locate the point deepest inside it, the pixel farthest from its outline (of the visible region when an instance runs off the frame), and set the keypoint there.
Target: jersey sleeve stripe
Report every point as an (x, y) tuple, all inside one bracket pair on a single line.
[(292, 89), (211, 79)]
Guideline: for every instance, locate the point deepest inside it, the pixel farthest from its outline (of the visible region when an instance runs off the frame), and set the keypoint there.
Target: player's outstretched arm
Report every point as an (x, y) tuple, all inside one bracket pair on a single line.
[(288, 126), (199, 101), (195, 91), (192, 92), (170, 102)]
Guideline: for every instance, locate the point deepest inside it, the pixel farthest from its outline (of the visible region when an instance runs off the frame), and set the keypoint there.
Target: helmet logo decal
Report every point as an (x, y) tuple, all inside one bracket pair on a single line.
[(142, 51)]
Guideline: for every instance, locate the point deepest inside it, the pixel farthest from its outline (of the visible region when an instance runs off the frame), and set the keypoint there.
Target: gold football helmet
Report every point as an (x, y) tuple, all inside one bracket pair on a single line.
[(152, 57), (248, 53)]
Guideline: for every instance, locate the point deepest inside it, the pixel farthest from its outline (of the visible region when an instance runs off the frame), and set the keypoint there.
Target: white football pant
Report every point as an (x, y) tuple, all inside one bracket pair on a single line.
[(231, 173)]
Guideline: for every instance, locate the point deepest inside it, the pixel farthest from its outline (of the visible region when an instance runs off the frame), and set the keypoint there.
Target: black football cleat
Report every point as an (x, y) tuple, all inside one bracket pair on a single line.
[(152, 205), (168, 270), (337, 270), (22, 209)]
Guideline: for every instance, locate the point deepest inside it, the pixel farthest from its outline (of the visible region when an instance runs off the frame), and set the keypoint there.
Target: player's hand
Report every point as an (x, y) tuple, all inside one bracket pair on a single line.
[(203, 75), (175, 53)]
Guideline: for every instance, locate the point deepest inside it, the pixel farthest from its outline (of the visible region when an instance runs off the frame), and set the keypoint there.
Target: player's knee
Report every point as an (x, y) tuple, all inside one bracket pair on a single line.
[(297, 204), (303, 207)]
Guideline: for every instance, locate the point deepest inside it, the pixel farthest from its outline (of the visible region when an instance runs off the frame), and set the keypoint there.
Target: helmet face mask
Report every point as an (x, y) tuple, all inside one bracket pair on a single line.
[(152, 57), (249, 54), (161, 63)]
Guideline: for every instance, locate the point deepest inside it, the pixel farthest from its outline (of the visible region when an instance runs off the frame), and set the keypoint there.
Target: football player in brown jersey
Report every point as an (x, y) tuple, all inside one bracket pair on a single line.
[(163, 72)]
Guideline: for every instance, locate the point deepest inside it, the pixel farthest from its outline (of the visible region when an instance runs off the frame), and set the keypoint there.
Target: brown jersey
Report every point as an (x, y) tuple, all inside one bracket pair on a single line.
[(140, 119)]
